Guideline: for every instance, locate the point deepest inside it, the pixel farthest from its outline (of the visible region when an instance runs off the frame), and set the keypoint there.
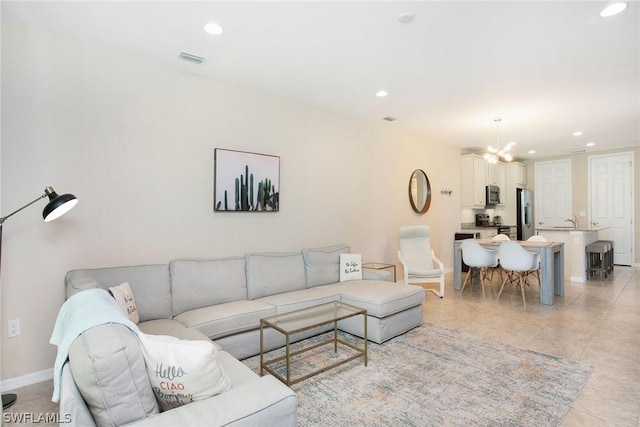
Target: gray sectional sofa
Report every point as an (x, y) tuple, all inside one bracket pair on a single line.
[(223, 300)]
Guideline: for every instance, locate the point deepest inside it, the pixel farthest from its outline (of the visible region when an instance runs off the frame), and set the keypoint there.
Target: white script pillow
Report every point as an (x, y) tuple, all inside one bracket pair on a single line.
[(350, 267), (182, 371), (124, 297)]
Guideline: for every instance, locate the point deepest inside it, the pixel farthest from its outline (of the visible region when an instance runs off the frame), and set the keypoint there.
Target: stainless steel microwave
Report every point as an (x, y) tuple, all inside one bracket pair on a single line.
[(493, 195)]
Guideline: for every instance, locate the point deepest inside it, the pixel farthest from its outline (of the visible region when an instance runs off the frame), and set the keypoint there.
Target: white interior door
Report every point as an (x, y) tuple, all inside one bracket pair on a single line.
[(553, 193), (611, 201)]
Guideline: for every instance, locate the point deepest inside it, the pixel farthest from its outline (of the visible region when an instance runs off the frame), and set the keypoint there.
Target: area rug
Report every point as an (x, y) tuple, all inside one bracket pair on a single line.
[(434, 376)]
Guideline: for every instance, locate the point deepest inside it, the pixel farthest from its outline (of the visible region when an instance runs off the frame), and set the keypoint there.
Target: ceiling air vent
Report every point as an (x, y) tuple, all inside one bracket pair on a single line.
[(389, 119), (191, 58)]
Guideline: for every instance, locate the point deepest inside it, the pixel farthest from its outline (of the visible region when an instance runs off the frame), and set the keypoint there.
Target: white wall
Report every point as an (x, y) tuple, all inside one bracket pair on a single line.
[(134, 142)]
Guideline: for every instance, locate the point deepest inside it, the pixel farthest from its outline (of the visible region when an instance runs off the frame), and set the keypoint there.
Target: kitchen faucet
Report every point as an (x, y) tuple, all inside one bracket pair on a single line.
[(573, 220)]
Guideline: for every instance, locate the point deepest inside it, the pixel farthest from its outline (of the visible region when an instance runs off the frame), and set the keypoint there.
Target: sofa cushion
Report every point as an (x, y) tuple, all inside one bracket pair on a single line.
[(274, 273), (150, 285), (171, 327), (126, 300), (297, 300), (109, 370), (322, 265), (227, 319), (381, 299), (238, 372), (182, 371), (197, 283)]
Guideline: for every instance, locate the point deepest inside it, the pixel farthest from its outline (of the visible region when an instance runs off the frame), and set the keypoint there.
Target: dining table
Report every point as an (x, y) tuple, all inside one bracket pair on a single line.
[(551, 265)]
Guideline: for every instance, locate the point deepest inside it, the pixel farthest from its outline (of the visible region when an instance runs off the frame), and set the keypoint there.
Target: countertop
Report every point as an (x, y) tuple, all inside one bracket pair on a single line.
[(579, 229), (472, 226)]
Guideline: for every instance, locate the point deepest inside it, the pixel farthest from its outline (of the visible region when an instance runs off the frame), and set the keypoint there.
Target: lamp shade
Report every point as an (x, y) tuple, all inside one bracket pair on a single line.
[(58, 205)]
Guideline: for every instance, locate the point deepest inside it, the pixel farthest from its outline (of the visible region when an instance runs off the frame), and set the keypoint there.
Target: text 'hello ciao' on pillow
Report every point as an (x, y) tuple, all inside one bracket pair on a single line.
[(182, 371)]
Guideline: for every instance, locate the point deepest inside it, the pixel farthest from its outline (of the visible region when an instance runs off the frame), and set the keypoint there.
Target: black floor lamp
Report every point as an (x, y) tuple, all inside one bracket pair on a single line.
[(57, 206)]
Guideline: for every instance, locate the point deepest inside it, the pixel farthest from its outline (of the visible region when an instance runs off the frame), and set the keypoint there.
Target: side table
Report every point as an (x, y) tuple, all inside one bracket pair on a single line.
[(380, 266)]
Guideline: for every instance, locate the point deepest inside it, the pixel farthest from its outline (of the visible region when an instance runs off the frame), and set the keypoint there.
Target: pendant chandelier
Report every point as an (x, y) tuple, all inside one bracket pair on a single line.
[(495, 155)]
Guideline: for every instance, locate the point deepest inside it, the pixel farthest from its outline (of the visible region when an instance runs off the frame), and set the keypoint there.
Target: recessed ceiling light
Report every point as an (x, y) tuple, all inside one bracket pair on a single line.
[(381, 93), (531, 151), (590, 144), (577, 133), (213, 28), (613, 9), (405, 18)]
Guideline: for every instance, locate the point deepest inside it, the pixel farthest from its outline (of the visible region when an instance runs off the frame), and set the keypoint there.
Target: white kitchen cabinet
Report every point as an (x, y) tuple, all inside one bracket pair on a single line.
[(482, 233), (514, 179), (498, 176), (474, 180), (489, 233), (520, 174), (516, 175), (477, 173)]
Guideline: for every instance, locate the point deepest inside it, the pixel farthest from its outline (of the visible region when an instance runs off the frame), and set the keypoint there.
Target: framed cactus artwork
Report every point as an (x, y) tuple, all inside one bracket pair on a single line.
[(245, 182)]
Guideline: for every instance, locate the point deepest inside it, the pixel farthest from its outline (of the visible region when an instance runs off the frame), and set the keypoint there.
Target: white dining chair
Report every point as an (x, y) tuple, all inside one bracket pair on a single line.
[(519, 262), (501, 238), (480, 260), (419, 261), (537, 238)]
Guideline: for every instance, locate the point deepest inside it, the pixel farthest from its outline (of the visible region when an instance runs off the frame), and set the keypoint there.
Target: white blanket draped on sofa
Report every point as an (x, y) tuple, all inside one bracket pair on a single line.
[(80, 312)]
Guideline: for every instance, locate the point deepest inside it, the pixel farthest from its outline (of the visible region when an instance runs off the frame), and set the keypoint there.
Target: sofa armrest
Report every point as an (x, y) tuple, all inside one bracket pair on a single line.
[(73, 409), (265, 401)]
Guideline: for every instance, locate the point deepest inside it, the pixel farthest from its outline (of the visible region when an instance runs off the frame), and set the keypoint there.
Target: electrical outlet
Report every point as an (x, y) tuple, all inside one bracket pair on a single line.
[(14, 328)]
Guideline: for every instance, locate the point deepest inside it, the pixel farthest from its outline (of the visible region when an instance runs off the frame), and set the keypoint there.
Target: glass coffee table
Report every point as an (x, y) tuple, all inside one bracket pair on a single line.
[(308, 318)]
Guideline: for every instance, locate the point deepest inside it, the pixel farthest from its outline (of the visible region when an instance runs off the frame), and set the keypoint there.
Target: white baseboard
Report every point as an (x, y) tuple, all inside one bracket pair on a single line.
[(25, 380)]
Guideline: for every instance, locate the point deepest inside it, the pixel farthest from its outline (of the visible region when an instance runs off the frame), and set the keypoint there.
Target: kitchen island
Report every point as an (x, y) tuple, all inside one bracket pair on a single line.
[(575, 241)]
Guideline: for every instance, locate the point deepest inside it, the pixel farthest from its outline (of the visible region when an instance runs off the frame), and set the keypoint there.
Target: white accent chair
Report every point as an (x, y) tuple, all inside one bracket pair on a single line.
[(519, 262), (479, 259), (418, 259)]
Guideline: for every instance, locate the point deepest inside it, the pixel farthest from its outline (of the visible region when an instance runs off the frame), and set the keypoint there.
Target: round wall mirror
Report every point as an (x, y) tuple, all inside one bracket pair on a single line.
[(419, 191)]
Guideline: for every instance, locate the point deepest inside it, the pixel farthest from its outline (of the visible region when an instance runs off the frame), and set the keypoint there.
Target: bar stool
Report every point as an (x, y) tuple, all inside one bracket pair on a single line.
[(609, 255), (596, 253)]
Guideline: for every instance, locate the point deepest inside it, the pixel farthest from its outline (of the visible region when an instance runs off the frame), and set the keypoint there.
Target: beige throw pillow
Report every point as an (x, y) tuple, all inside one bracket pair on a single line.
[(124, 297), (182, 371)]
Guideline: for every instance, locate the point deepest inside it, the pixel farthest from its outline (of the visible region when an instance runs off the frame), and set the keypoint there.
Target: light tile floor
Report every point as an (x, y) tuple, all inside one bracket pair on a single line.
[(597, 322)]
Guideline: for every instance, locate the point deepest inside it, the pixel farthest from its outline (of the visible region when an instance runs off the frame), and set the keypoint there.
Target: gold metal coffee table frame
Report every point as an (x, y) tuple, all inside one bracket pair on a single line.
[(308, 318)]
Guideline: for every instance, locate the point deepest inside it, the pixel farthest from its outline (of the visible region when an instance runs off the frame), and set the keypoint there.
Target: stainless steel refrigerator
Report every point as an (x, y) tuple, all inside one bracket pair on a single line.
[(524, 214)]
